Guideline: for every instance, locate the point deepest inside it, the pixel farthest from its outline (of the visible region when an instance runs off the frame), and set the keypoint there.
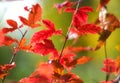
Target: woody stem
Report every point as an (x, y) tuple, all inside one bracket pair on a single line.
[(67, 34), (14, 53), (106, 57)]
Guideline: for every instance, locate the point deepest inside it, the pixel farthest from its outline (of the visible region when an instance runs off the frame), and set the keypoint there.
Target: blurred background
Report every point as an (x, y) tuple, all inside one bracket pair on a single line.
[(27, 62)]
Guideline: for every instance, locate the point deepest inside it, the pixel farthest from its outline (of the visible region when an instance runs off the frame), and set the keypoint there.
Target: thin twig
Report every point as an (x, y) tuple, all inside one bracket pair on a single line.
[(66, 37), (106, 57), (15, 52), (105, 50)]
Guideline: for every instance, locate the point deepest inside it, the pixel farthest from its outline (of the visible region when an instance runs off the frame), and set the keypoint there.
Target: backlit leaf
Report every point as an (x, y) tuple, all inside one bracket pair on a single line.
[(24, 20), (40, 75), (83, 60), (41, 35), (81, 16), (12, 23), (6, 40), (35, 14), (58, 69), (71, 78), (34, 17), (117, 61), (109, 65), (13, 26), (65, 4), (45, 34), (49, 24), (4, 69), (44, 47), (89, 28), (23, 46), (86, 9)]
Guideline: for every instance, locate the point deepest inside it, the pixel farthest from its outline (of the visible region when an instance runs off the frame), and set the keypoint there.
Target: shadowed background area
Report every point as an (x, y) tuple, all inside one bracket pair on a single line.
[(27, 62)]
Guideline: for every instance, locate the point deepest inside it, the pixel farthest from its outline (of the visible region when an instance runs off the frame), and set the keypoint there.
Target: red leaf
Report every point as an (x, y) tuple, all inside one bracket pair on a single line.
[(12, 23), (45, 34), (44, 48), (69, 9), (34, 17), (81, 17), (40, 75), (43, 70), (26, 8), (109, 66), (24, 20), (6, 30), (6, 40), (60, 6), (70, 78), (85, 9), (13, 27), (76, 21), (89, 28), (4, 69), (37, 79), (35, 14), (50, 25), (41, 35)]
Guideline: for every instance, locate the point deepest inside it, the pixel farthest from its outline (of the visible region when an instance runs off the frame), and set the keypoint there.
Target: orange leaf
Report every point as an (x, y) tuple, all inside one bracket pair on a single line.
[(23, 45), (117, 61), (71, 78), (79, 49), (83, 60), (58, 68), (35, 15)]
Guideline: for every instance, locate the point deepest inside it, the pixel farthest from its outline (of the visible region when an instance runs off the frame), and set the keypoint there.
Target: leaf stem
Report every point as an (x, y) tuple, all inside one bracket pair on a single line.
[(105, 50), (66, 36), (15, 52), (106, 57)]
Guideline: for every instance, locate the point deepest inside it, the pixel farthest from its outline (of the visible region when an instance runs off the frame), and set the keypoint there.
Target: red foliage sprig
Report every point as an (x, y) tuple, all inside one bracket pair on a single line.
[(65, 59)]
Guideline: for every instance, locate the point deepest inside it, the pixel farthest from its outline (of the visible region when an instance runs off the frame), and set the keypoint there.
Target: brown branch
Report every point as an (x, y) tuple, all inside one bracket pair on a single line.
[(106, 57), (66, 36), (15, 52)]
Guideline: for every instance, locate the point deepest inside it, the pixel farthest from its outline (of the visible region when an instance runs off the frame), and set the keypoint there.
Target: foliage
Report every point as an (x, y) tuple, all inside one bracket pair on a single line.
[(61, 62)]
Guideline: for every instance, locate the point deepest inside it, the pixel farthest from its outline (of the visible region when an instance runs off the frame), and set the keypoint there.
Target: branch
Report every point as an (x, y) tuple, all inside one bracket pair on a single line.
[(15, 51), (66, 37)]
